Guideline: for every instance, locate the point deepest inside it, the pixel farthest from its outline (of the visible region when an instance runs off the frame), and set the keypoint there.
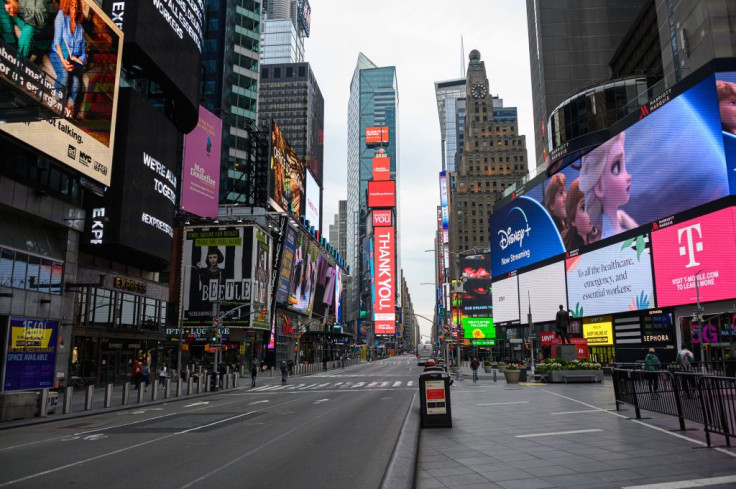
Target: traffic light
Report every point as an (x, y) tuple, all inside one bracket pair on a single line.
[(213, 335), (363, 314)]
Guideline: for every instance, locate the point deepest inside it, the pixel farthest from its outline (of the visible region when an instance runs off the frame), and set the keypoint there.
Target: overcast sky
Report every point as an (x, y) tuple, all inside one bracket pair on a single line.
[(421, 38)]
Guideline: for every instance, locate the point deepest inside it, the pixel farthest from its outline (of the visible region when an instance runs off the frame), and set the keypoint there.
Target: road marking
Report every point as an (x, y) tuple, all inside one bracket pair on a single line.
[(357, 384), (384, 384), (258, 402), (372, 384), (532, 435), (319, 401), (410, 383), (502, 403), (338, 384), (576, 412), (188, 405), (397, 384), (711, 481)]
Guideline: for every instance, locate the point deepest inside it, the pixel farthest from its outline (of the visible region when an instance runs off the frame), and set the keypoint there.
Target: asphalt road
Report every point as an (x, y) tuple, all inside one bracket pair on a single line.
[(328, 430)]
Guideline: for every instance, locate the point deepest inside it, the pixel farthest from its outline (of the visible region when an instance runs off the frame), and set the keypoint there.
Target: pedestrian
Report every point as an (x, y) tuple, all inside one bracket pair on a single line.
[(147, 376), (283, 371), (290, 364), (651, 365), (162, 375), (136, 372), (474, 364), (324, 364), (685, 357), (253, 374)]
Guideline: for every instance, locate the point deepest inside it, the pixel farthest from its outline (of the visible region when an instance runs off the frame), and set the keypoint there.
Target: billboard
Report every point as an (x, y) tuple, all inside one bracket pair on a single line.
[(200, 185), (381, 167), (165, 39), (376, 135), (338, 295), (382, 217), (31, 354), (443, 200), (506, 301), (286, 175), (598, 330), (726, 91), (616, 278), (478, 328), (619, 186), (303, 275), (285, 269), (382, 193), (384, 299), (703, 246), (84, 139), (226, 269), (304, 16), (324, 294), (544, 288), (476, 274), (311, 209)]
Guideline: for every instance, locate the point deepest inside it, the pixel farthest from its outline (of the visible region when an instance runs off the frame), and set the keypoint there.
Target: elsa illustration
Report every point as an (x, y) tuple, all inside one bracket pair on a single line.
[(607, 186)]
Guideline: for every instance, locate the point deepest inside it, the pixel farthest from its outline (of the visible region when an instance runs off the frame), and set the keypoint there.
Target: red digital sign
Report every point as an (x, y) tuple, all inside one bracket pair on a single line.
[(381, 168), (376, 135), (384, 300), (382, 193), (382, 217)]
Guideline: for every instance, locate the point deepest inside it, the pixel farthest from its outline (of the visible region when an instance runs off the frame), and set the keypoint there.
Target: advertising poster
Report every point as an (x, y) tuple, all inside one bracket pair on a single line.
[(506, 301), (382, 217), (702, 247), (31, 354), (544, 289), (225, 269), (303, 275), (324, 293), (382, 167), (384, 300), (621, 185), (613, 279), (84, 138), (382, 193), (200, 186), (338, 295), (286, 175), (376, 135), (476, 274), (726, 90), (478, 328), (444, 200), (312, 206), (287, 262), (598, 330)]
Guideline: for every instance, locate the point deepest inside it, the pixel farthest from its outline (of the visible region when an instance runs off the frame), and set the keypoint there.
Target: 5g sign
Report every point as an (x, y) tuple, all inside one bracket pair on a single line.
[(706, 333)]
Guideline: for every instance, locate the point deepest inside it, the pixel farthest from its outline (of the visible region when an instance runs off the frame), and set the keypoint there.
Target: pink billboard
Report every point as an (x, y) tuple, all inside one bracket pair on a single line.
[(201, 172), (702, 246), (384, 301)]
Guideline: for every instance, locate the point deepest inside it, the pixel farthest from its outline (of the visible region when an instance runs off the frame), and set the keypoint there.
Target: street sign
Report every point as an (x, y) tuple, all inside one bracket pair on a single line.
[(216, 321)]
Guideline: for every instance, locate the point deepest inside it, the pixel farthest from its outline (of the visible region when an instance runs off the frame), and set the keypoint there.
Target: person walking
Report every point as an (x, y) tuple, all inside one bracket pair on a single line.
[(284, 371), (474, 364), (146, 376), (162, 376), (253, 374), (324, 364), (651, 365), (136, 372), (685, 357)]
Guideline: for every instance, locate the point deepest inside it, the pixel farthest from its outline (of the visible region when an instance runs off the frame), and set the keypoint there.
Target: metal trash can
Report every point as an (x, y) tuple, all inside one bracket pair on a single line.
[(434, 395)]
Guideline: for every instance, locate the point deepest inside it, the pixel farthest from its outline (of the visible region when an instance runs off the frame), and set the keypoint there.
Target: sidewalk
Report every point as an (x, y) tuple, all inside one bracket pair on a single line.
[(516, 436)]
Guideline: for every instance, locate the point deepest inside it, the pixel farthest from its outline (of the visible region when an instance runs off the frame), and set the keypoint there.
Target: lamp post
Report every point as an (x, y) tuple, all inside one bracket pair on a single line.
[(698, 315)]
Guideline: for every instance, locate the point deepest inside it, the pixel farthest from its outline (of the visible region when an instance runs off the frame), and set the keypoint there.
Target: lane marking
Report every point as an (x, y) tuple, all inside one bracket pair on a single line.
[(397, 384), (320, 401), (258, 402), (502, 403), (574, 432), (197, 403), (576, 412), (711, 481), (410, 383), (657, 428)]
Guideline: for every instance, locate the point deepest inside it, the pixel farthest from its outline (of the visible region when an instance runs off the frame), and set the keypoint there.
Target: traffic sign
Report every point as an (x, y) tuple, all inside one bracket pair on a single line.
[(216, 321)]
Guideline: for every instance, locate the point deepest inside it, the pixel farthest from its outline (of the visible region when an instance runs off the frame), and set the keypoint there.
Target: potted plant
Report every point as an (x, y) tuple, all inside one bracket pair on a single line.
[(487, 367), (512, 373)]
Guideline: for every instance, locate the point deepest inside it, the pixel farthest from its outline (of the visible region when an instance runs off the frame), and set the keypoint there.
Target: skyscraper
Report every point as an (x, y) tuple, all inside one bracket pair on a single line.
[(339, 227), (448, 93), (284, 25), (373, 102)]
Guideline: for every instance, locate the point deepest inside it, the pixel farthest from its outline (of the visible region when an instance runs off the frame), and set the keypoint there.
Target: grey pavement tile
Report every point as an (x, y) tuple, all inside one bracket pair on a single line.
[(423, 474), (441, 464), (429, 484), (505, 475), (538, 462), (592, 468), (485, 485), (526, 484), (549, 470), (571, 480), (463, 479), (616, 475), (477, 460), (509, 456), (664, 470), (439, 472)]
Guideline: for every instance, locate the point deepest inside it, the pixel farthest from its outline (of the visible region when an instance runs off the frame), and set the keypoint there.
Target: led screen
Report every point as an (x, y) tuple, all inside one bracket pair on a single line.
[(287, 175), (84, 138), (506, 300), (702, 246), (613, 279), (598, 330), (384, 298), (338, 295), (287, 262), (726, 90), (382, 217), (376, 135), (477, 285), (443, 200), (325, 288), (382, 193), (619, 186), (201, 168), (545, 289), (382, 167), (312, 204), (303, 274), (478, 328)]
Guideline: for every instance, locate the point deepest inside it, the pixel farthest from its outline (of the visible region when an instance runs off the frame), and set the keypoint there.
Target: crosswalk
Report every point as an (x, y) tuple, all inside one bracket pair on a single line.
[(346, 386)]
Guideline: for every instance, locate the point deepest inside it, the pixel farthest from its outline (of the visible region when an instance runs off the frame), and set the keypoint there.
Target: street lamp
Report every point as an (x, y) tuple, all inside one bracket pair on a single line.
[(698, 316)]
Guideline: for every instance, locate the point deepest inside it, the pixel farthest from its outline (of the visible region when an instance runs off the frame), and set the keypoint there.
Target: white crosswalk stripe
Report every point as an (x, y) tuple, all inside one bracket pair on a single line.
[(341, 385)]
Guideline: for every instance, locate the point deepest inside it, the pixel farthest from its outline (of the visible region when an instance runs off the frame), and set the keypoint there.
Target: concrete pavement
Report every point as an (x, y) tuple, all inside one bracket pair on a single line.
[(510, 436)]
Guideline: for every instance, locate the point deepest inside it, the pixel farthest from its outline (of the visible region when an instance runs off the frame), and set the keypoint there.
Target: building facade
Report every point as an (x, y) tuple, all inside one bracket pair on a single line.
[(284, 25)]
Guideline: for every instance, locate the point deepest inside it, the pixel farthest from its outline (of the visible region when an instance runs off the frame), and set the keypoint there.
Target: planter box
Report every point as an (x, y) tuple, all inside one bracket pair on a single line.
[(512, 376), (574, 375), (487, 369)]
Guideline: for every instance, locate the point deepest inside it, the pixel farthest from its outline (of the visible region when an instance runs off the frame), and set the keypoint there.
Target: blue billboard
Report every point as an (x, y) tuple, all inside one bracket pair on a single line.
[(31, 356)]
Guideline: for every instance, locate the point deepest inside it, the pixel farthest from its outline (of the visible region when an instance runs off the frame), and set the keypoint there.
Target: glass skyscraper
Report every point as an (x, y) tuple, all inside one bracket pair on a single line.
[(447, 93)]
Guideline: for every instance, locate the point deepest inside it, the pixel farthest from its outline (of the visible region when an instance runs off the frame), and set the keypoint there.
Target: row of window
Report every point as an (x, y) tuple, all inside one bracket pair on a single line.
[(23, 271), (109, 308)]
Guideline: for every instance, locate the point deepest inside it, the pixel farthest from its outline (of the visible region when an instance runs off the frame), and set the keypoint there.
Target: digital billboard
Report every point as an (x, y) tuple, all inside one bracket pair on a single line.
[(476, 276), (287, 175), (311, 209), (506, 301), (31, 354), (338, 295), (384, 298), (303, 275), (619, 186), (381, 165), (598, 330), (200, 185), (382, 193), (165, 39), (703, 246), (84, 138), (726, 90), (382, 217), (544, 288), (287, 262), (444, 200), (478, 328), (324, 294), (376, 135), (226, 268), (613, 279)]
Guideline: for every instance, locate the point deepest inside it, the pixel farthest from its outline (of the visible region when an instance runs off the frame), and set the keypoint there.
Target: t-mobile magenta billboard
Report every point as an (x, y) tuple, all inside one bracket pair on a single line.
[(201, 172)]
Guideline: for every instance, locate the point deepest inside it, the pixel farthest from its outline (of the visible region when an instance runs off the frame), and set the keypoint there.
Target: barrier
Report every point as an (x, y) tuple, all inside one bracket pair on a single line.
[(718, 400)]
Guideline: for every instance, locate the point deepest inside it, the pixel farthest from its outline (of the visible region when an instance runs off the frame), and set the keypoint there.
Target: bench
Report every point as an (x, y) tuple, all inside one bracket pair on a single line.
[(573, 375), (590, 377)]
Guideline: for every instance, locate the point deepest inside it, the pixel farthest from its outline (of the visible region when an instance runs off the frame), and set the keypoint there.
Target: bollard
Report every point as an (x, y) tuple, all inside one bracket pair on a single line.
[(226, 382), (167, 388), (494, 374), (189, 386), (88, 398), (141, 393), (126, 393), (199, 384), (236, 380), (44, 399), (178, 387), (108, 395), (154, 394), (207, 383), (68, 400)]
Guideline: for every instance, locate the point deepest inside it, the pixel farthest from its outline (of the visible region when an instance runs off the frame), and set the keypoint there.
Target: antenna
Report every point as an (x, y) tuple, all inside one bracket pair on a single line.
[(462, 57)]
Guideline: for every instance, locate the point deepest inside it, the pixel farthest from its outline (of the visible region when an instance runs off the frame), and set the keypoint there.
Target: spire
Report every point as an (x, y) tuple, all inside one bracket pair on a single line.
[(462, 57)]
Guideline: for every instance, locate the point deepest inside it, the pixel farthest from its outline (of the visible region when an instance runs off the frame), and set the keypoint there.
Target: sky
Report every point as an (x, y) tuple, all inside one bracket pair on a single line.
[(422, 39)]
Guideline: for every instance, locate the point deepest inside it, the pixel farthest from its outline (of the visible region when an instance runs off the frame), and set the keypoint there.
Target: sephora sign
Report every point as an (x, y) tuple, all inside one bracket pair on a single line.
[(384, 301)]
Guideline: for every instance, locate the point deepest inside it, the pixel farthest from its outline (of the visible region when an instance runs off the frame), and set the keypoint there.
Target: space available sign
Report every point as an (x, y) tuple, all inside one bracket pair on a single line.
[(31, 354), (506, 301), (613, 279), (384, 300), (704, 245), (522, 234)]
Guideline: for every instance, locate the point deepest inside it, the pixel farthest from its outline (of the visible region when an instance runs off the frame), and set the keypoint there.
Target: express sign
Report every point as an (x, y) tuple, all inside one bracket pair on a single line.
[(382, 217)]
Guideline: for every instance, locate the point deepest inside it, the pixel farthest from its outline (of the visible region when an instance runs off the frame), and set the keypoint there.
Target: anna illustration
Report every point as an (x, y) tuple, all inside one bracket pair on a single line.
[(580, 230), (607, 186), (554, 200)]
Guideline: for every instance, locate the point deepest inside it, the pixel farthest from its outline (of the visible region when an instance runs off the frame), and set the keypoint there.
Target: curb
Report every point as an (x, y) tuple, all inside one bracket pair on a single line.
[(401, 470)]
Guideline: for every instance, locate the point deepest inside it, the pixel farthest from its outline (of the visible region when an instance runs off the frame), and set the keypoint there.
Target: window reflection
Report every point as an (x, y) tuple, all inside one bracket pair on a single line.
[(21, 271)]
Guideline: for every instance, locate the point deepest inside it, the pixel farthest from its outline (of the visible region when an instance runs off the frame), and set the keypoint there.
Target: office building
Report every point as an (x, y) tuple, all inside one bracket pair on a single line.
[(339, 228), (284, 25), (447, 94)]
